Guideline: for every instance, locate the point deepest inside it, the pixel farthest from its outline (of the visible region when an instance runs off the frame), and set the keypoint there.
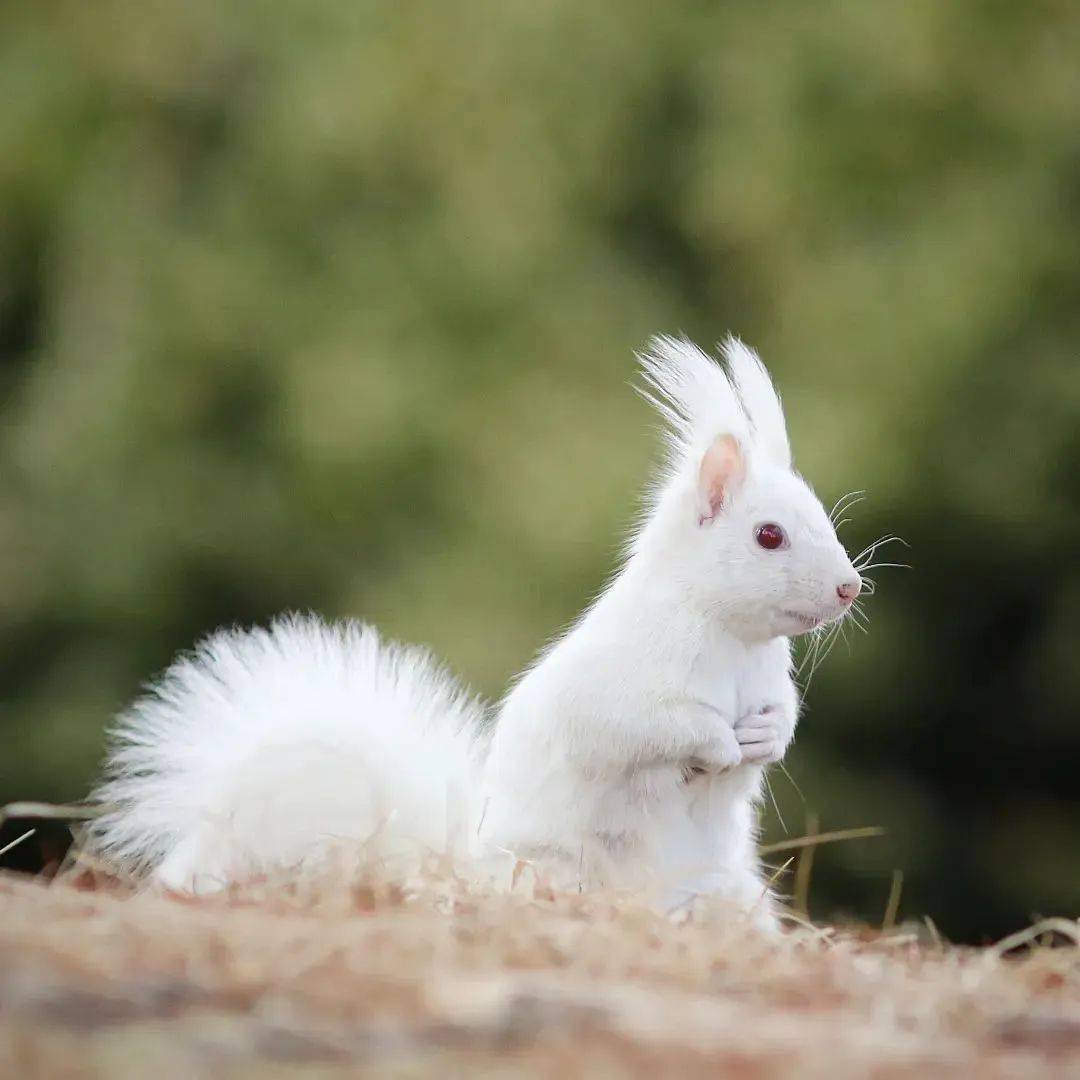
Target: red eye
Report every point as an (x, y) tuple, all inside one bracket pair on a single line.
[(770, 536)]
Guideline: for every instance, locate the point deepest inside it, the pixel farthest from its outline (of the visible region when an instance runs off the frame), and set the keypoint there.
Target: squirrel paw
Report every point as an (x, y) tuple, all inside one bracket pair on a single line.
[(716, 756), (762, 736)]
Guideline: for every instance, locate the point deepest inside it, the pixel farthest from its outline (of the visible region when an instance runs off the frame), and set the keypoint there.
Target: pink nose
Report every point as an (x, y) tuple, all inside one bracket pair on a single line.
[(849, 590)]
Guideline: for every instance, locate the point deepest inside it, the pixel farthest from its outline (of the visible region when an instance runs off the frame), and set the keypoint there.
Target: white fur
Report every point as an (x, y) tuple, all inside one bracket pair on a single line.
[(760, 402), (682, 658), (261, 747), (264, 748)]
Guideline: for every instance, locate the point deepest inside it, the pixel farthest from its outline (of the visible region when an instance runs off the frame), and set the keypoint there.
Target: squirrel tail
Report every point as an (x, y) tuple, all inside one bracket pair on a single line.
[(265, 749)]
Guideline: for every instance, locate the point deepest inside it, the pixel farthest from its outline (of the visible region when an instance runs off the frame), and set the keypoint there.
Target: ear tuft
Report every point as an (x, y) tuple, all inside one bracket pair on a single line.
[(693, 394), (760, 401), (723, 468)]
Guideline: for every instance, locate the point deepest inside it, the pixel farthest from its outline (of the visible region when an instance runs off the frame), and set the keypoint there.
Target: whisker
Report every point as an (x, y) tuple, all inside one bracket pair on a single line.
[(845, 502), (825, 645), (834, 637), (813, 665), (828, 648), (870, 549), (810, 641), (822, 640), (811, 648), (804, 661), (887, 538)]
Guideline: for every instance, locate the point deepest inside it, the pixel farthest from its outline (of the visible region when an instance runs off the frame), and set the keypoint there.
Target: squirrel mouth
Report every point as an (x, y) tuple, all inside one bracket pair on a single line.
[(807, 622)]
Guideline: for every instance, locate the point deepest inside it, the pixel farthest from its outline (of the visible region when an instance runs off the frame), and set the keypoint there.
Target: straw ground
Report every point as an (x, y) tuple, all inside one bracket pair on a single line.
[(434, 976)]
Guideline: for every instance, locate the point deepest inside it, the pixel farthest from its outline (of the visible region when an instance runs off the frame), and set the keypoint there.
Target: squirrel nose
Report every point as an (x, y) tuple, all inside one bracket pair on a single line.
[(848, 590)]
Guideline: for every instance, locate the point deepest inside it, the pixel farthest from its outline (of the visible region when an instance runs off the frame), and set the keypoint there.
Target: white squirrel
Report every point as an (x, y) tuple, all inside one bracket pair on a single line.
[(630, 754)]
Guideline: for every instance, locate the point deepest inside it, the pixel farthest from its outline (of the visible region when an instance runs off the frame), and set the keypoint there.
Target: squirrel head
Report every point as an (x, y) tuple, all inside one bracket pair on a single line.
[(743, 532)]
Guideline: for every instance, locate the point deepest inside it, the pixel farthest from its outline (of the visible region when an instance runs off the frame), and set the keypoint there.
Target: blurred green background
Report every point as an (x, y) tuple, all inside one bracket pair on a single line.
[(332, 305)]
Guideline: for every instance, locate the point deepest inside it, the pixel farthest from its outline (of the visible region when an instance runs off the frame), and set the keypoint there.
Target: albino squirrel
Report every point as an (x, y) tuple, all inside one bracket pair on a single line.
[(630, 754)]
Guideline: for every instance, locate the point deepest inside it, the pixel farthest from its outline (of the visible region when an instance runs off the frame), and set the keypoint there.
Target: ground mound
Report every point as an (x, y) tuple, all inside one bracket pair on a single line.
[(432, 976)]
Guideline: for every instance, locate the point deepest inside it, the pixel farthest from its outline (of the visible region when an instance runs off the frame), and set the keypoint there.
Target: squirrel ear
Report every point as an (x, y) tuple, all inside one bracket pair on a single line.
[(760, 401), (722, 469)]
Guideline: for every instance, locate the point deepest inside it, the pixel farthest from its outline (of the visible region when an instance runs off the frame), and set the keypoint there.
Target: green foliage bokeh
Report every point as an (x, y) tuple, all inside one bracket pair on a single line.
[(332, 305)]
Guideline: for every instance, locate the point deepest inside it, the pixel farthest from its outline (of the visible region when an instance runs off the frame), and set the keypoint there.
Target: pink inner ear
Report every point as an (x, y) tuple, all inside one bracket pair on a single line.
[(722, 469)]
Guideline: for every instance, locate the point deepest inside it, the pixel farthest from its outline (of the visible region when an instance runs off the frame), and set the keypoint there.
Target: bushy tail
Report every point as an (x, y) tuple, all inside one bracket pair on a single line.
[(264, 748)]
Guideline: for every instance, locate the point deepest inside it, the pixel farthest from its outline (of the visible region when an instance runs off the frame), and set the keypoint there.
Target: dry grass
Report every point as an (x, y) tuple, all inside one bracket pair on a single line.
[(433, 977)]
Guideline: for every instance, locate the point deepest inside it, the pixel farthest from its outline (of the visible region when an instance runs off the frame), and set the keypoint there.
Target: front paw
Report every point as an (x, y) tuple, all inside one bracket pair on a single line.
[(762, 736), (719, 755)]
